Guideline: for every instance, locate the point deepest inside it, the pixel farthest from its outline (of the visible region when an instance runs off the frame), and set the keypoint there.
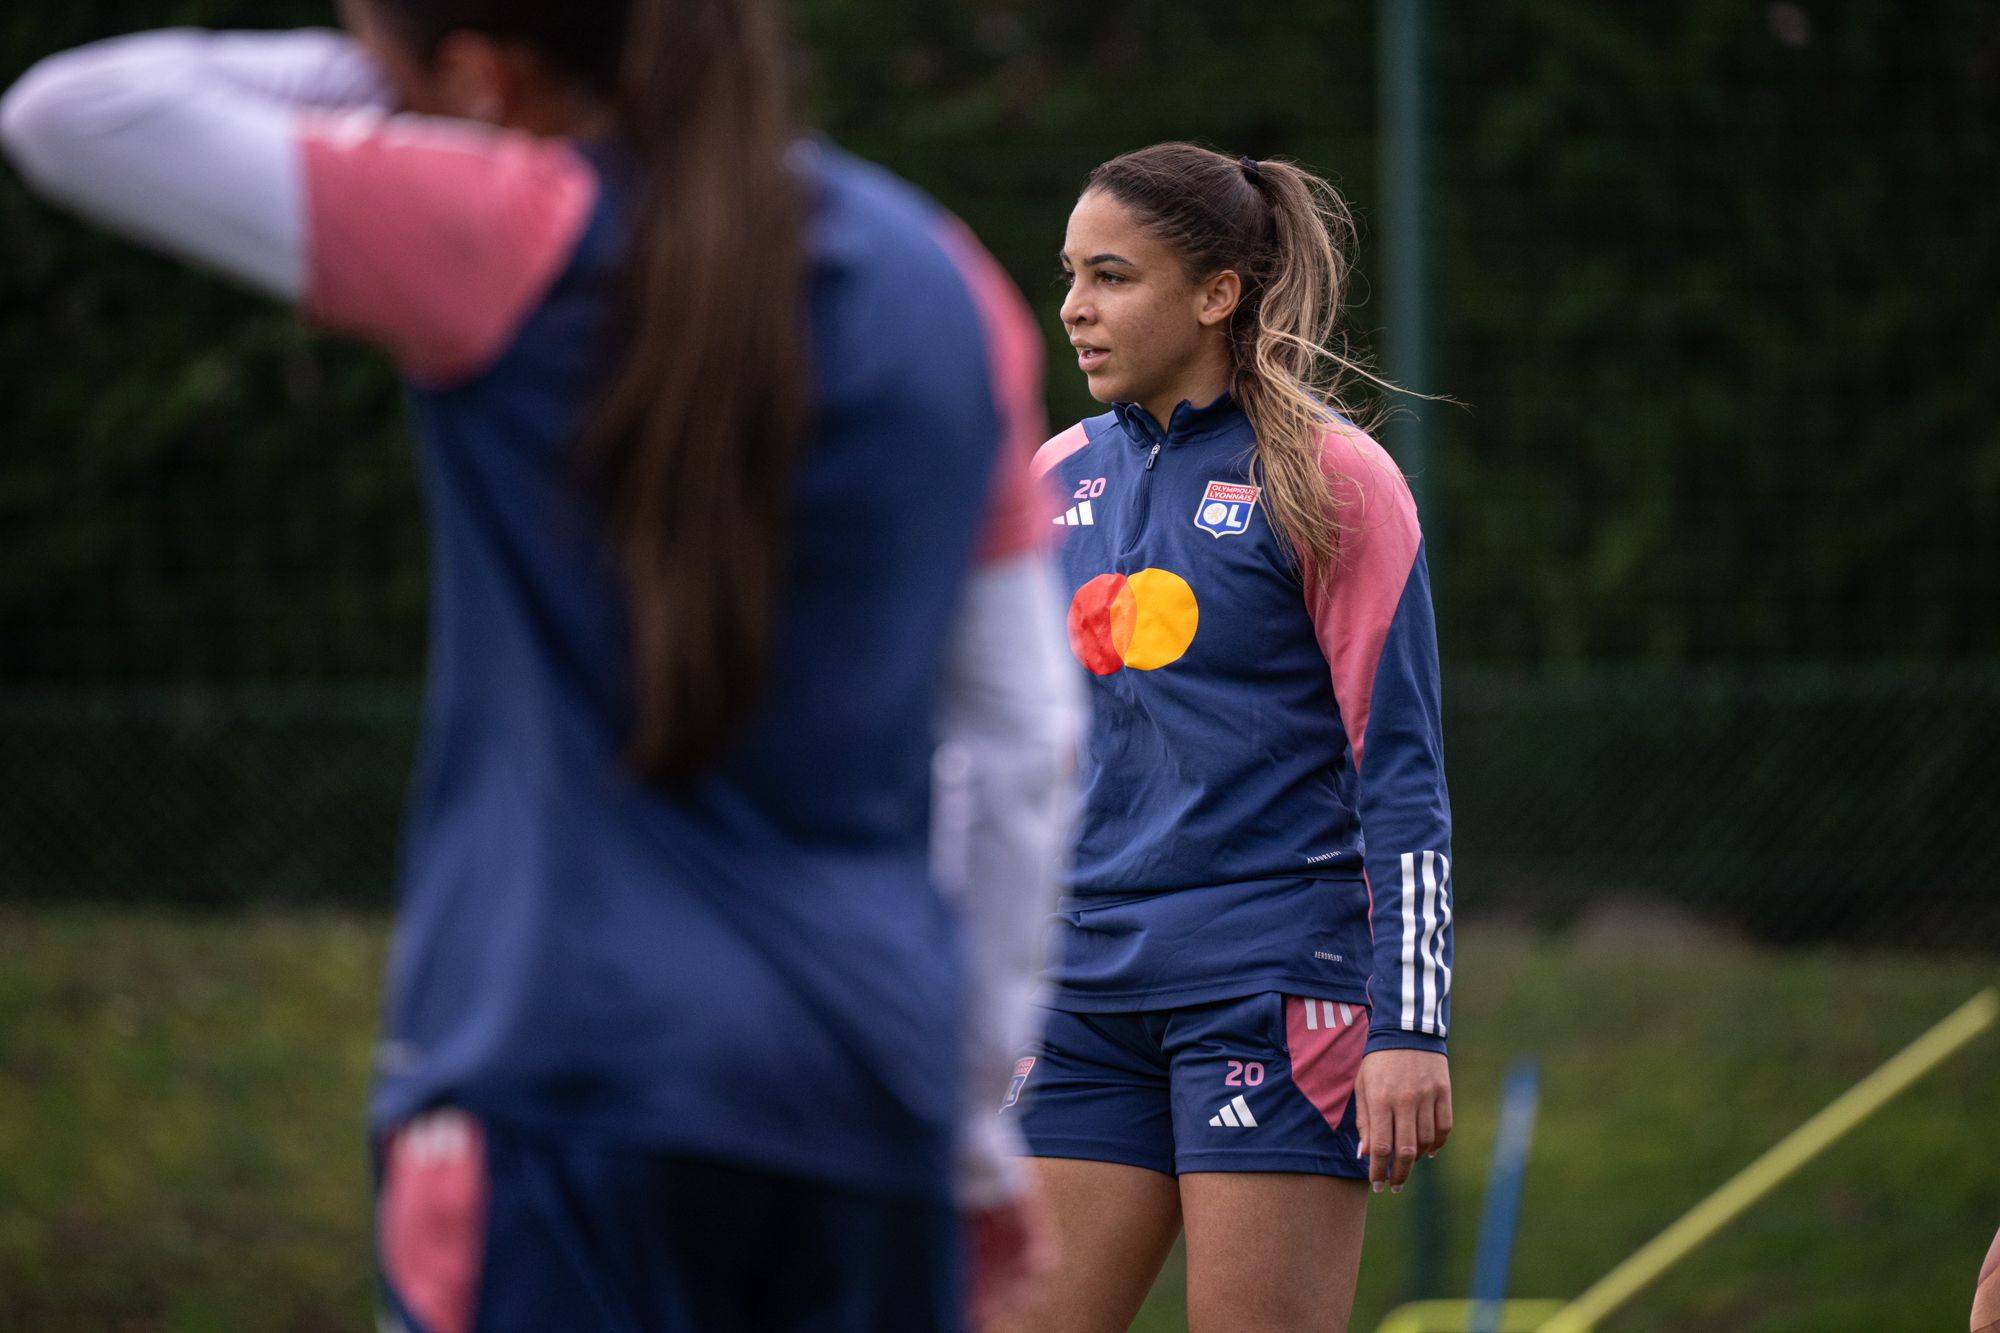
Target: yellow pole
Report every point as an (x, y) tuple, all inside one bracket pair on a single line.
[(1516, 1316), (1759, 1178)]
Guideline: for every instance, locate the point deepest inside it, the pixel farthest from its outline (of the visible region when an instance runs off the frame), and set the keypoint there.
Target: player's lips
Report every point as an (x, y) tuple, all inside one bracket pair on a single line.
[(1089, 358)]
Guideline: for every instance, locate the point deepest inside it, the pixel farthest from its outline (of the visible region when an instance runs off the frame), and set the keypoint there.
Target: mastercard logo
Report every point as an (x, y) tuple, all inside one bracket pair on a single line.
[(1144, 621)]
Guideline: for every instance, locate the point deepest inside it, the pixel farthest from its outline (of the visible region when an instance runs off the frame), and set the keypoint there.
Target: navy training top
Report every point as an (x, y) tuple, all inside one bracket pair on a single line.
[(1264, 794), (760, 971)]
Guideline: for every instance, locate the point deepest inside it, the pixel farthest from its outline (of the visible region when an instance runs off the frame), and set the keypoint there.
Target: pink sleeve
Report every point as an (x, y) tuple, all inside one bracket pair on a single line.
[(1019, 508), (1353, 607), (1062, 446), (436, 238)]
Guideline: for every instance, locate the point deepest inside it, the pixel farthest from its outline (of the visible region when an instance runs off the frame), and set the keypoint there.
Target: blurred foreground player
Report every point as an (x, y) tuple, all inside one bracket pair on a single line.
[(1253, 991), (724, 443), (1986, 1293)]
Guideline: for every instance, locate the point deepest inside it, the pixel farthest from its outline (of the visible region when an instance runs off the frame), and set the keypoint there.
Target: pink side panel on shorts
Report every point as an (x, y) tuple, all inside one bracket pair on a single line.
[(436, 238), (431, 1221), (1020, 509), (1326, 1039)]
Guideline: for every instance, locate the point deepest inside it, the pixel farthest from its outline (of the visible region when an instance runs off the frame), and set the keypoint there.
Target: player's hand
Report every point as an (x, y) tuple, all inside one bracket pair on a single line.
[(1402, 1107), (1012, 1249)]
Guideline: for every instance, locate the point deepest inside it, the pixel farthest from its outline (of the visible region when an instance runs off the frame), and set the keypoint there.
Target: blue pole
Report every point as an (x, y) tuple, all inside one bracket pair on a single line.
[(1520, 1095)]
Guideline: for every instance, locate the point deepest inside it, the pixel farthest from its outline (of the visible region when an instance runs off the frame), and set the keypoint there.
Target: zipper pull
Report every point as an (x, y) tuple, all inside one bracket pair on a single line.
[(1152, 457)]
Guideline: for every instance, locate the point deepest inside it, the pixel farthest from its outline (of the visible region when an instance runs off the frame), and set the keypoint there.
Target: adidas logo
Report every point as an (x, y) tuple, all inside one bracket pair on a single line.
[(1235, 1113), (1076, 516)]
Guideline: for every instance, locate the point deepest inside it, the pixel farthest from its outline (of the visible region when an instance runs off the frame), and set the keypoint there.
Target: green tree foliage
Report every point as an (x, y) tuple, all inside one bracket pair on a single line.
[(1716, 285), (1720, 288)]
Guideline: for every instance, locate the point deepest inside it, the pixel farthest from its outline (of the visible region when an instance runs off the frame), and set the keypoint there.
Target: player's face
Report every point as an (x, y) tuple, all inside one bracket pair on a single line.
[(1134, 316)]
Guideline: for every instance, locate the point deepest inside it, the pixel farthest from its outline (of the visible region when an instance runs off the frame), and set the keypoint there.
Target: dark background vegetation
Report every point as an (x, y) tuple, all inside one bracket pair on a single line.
[(1715, 520), (1715, 526)]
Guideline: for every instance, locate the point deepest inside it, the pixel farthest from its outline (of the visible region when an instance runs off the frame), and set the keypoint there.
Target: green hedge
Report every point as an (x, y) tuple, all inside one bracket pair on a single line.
[(1798, 805)]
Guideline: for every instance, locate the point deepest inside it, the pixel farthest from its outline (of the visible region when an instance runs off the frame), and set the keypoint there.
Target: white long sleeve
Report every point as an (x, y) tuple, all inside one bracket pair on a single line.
[(1009, 727), (186, 140)]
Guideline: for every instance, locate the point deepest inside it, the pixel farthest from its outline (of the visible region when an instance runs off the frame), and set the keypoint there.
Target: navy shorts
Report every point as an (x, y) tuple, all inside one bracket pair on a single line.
[(1260, 1083), (484, 1228)]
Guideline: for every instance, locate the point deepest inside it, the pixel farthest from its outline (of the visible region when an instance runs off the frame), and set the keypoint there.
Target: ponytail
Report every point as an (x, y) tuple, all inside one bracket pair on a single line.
[(699, 430), (1287, 374), (696, 434), (1287, 234)]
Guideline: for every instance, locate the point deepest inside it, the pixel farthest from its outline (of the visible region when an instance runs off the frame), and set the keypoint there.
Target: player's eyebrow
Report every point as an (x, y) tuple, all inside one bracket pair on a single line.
[(1094, 260)]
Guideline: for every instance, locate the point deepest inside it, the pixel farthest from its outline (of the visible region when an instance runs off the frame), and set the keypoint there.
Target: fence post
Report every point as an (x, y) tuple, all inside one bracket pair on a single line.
[(1408, 352), (1403, 90)]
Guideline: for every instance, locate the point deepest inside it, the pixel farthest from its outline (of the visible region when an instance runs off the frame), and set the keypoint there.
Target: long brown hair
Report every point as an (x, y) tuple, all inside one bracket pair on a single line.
[(696, 435), (1287, 234)]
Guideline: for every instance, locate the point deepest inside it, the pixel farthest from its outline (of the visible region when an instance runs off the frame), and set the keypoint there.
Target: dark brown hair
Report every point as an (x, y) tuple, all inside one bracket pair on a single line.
[(695, 439), (1287, 234)]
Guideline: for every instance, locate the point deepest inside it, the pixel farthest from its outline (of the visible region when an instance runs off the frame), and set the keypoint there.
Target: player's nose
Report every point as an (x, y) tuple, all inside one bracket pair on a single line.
[(1075, 310)]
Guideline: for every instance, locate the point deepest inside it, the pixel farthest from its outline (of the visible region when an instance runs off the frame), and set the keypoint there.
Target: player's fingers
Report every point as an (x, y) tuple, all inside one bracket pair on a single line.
[(1443, 1117), (1427, 1140), (1381, 1142), (1405, 1114)]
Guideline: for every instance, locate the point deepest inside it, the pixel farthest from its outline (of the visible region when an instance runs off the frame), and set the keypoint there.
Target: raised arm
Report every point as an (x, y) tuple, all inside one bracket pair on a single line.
[(188, 140), (270, 158)]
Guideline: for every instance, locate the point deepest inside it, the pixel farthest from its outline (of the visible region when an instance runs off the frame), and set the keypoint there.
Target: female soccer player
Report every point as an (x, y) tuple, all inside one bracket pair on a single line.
[(1252, 993), (725, 575)]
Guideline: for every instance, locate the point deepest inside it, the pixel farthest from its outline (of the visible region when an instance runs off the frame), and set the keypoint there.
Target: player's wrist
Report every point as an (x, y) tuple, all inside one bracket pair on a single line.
[(1397, 1039)]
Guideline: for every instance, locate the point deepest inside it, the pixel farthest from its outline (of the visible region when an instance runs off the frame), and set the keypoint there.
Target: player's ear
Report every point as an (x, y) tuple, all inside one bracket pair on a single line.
[(474, 77), (1217, 297), (410, 77)]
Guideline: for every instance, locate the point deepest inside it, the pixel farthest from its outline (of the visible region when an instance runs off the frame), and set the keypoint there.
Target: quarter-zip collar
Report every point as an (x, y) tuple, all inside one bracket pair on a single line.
[(1188, 422)]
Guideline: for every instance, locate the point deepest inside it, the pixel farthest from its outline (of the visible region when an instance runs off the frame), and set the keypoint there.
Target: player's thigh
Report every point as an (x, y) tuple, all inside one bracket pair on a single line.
[(1273, 1252), (1113, 1227), (1265, 1146), (1094, 1104)]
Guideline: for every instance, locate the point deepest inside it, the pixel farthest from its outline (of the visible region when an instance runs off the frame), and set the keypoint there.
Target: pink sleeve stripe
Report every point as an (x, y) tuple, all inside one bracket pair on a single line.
[(1018, 510), (436, 238), (1062, 446), (1352, 608)]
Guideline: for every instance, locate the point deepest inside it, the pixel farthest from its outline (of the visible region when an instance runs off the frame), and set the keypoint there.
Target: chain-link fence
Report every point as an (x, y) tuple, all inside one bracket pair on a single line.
[(1716, 533), (1793, 803), (1797, 803)]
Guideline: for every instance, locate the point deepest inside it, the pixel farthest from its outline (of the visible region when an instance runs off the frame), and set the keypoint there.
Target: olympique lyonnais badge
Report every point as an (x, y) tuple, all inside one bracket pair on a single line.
[(1225, 508), (1020, 1079)]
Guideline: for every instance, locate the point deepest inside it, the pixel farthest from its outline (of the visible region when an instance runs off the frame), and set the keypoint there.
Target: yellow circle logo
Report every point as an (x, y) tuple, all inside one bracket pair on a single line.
[(1144, 621)]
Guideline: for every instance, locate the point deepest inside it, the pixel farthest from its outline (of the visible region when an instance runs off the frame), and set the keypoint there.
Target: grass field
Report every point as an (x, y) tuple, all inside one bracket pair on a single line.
[(180, 1101)]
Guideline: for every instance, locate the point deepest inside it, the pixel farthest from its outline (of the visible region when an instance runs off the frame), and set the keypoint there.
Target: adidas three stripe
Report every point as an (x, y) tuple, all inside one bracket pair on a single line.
[(1235, 1113)]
